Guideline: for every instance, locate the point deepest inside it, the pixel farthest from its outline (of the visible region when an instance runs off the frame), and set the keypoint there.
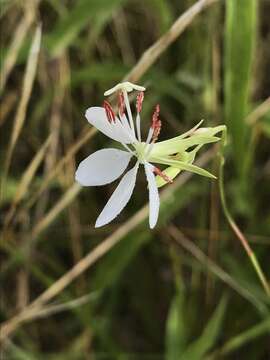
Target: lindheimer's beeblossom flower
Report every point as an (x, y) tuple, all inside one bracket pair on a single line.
[(106, 165)]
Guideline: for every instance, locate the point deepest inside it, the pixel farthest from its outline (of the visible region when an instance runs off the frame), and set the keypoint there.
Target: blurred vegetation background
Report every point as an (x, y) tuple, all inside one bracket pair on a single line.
[(186, 290)]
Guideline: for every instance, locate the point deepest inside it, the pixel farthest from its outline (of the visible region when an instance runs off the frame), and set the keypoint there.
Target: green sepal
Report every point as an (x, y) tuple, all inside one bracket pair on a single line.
[(184, 166), (180, 144)]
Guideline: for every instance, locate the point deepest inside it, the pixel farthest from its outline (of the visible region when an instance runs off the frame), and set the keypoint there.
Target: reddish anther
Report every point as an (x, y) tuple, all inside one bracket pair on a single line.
[(155, 116), (160, 173), (156, 123), (121, 103), (139, 101), (109, 111)]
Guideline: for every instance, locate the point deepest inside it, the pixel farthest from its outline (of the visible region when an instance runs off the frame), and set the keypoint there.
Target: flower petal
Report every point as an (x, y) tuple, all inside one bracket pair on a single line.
[(119, 198), (115, 130), (102, 167), (154, 201)]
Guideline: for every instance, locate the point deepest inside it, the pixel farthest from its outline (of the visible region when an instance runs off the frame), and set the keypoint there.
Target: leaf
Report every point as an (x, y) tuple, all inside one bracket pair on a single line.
[(106, 72), (241, 19), (175, 329), (83, 13), (164, 12), (209, 335)]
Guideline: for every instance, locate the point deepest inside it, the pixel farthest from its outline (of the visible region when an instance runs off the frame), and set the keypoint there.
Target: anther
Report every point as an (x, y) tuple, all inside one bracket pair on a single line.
[(139, 101), (121, 103), (160, 173), (156, 124), (109, 111)]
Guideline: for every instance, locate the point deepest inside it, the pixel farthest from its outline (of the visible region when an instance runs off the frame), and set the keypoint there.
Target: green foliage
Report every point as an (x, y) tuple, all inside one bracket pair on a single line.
[(94, 12), (241, 21), (152, 298), (207, 339), (176, 329)]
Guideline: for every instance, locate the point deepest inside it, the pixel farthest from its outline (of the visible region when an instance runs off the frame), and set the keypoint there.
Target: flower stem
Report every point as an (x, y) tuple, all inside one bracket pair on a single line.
[(234, 226)]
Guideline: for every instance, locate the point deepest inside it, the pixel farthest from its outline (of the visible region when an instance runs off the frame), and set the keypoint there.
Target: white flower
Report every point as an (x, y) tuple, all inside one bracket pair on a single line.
[(106, 165)]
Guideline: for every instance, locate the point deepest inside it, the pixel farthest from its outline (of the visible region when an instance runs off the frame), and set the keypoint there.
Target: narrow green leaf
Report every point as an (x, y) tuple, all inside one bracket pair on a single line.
[(209, 335), (163, 10), (241, 18), (102, 72), (175, 330)]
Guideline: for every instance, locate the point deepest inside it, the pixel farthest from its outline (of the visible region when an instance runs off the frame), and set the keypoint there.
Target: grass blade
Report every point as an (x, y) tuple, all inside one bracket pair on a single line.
[(27, 178), (13, 51), (241, 19), (26, 92), (209, 335)]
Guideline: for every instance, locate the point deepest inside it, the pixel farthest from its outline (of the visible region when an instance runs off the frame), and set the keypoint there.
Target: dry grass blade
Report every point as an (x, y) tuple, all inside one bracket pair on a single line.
[(66, 199), (15, 46), (259, 112), (153, 53), (6, 106), (181, 239), (83, 138), (27, 178), (11, 325), (54, 309), (26, 92)]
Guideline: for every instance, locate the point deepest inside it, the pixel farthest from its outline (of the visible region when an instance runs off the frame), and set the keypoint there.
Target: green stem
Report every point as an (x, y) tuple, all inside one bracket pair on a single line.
[(233, 224)]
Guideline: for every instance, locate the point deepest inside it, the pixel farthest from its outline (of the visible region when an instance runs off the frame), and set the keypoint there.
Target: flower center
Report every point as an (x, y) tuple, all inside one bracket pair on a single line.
[(142, 151)]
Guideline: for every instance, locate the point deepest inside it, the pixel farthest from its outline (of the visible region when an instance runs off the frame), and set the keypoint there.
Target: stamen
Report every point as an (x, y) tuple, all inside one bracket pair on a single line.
[(139, 101), (109, 112), (130, 118), (160, 173), (121, 103), (156, 124)]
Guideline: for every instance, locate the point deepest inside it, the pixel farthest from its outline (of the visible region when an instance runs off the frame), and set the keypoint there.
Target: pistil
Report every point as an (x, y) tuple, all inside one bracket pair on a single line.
[(130, 119)]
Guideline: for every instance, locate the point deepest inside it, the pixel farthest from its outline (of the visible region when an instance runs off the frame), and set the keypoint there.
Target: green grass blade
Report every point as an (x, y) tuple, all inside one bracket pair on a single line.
[(83, 13), (210, 333), (175, 329), (241, 19)]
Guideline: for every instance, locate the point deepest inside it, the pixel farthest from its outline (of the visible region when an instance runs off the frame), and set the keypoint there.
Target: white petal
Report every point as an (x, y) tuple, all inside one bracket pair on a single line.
[(154, 201), (119, 198), (102, 167), (115, 130), (125, 124)]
